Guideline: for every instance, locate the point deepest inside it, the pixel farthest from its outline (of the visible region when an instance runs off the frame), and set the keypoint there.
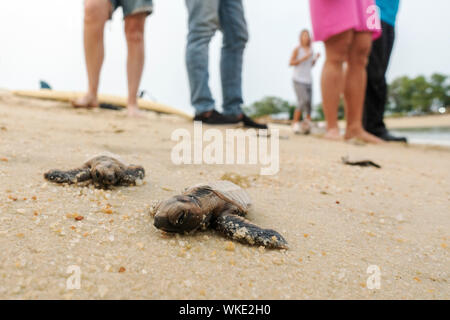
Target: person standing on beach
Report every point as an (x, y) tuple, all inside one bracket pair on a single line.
[(376, 92), (347, 27), (205, 18), (96, 14), (303, 60)]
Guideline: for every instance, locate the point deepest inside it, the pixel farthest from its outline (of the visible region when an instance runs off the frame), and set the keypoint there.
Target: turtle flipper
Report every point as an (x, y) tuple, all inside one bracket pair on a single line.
[(70, 176), (242, 230), (131, 174)]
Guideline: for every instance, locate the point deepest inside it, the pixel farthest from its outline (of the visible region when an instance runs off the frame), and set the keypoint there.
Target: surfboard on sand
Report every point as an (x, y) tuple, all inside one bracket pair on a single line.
[(68, 96)]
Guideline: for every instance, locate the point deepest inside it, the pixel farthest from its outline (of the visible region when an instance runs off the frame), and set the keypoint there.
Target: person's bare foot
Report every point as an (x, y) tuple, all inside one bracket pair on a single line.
[(333, 134), (306, 127), (86, 102), (362, 135), (296, 127), (133, 111)]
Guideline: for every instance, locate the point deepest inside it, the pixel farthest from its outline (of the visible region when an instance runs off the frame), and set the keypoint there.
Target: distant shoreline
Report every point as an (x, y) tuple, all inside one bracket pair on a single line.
[(428, 121)]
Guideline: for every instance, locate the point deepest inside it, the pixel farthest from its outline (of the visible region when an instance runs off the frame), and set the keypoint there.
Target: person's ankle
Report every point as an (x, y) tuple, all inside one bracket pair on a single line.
[(332, 129), (89, 98), (132, 101), (354, 128), (92, 94), (134, 111)]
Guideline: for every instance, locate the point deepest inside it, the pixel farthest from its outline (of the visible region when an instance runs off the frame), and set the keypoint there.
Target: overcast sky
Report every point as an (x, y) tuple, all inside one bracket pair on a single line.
[(43, 40)]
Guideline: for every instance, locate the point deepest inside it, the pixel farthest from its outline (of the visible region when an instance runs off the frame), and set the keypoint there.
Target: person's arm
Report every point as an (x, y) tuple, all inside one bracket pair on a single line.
[(316, 58), (294, 61)]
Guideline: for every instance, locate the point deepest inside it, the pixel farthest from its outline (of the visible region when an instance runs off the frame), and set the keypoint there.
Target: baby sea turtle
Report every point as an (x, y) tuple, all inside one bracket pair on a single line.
[(220, 205), (103, 171)]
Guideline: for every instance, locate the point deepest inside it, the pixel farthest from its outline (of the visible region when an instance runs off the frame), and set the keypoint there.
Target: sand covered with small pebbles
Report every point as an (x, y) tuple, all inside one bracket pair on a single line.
[(338, 219)]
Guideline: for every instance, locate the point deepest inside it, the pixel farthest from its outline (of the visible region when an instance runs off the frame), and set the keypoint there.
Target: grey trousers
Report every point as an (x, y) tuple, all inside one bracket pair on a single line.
[(304, 97)]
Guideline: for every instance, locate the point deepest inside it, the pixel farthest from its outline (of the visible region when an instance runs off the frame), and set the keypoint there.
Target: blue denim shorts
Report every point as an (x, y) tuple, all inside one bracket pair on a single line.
[(130, 7)]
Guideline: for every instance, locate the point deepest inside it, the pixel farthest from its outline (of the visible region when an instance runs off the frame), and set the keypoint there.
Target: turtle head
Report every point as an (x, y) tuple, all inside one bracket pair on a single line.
[(179, 214), (104, 175)]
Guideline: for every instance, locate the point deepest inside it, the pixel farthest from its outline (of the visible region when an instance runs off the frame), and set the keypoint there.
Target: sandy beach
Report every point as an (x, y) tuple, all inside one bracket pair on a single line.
[(426, 121), (338, 219)]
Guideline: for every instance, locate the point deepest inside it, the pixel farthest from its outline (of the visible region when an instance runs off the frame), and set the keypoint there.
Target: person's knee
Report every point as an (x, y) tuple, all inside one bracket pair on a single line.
[(337, 57), (235, 32), (202, 32), (96, 11), (359, 58), (236, 41), (134, 29), (235, 45), (360, 52), (338, 48), (338, 54)]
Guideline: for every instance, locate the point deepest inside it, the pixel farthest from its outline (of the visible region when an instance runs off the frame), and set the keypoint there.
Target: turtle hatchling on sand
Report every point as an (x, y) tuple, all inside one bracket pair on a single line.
[(220, 205), (103, 171)]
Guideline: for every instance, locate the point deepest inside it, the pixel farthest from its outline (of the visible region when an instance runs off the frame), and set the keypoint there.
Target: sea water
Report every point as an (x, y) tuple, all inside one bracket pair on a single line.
[(432, 136)]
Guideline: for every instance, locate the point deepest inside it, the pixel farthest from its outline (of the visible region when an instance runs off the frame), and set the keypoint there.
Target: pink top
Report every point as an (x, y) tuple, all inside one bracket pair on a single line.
[(331, 17)]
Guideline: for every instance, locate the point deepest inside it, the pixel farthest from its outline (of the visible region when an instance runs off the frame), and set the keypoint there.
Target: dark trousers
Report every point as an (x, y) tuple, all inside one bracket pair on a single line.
[(376, 92)]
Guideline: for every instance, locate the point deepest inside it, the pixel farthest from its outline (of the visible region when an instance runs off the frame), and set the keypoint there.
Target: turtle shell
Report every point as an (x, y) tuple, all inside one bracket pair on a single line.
[(229, 192)]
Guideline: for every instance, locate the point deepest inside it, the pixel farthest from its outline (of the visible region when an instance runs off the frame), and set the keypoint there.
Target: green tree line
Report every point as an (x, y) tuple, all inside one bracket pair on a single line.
[(419, 95)]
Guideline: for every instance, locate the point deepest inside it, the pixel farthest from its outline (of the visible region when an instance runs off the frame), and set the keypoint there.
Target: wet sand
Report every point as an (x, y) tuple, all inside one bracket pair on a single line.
[(338, 219)]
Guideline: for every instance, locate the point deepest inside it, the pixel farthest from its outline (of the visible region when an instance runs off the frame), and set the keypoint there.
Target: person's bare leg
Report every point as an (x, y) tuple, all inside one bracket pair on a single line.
[(337, 49), (297, 116), (355, 87), (96, 13), (134, 32), (296, 121)]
